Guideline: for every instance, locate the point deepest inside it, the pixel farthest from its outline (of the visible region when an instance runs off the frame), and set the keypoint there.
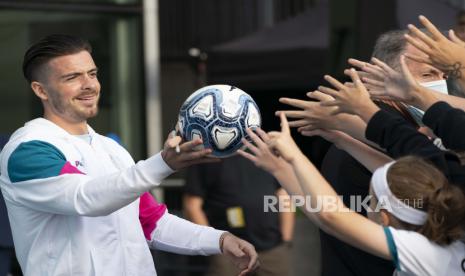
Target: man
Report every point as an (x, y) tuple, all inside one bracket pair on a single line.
[(77, 203), (230, 195)]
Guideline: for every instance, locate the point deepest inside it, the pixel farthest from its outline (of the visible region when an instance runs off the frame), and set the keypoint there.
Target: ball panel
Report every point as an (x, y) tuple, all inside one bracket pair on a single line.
[(219, 114), (224, 136), (203, 108)]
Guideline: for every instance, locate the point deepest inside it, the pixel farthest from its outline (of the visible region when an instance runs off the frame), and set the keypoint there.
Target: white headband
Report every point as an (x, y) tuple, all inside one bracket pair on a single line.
[(399, 209)]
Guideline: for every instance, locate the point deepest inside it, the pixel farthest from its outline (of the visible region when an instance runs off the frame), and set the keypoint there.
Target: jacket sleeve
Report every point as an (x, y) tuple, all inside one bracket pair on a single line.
[(177, 235), (447, 123), (400, 139), (41, 179)]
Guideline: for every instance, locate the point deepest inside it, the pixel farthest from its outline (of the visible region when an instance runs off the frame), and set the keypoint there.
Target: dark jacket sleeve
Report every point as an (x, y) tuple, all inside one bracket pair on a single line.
[(447, 123), (400, 139)]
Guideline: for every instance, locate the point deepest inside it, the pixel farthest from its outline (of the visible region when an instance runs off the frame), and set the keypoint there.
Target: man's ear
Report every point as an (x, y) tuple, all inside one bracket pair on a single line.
[(385, 220), (39, 90)]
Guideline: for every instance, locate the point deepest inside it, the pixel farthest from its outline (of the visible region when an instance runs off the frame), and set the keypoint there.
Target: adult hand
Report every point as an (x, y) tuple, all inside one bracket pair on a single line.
[(260, 154), (282, 142), (351, 99), (187, 155), (241, 253), (368, 71), (401, 86), (312, 114), (440, 52)]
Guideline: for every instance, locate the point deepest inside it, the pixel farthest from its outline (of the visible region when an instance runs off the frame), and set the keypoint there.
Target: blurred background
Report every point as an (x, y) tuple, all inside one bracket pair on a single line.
[(152, 54)]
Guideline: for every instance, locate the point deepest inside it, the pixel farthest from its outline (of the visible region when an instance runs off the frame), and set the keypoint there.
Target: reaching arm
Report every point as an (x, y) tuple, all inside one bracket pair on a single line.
[(42, 179), (286, 219), (366, 155), (333, 217), (447, 122), (400, 139)]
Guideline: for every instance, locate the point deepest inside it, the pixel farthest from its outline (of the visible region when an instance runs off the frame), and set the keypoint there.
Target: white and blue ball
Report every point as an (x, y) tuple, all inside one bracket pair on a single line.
[(219, 115)]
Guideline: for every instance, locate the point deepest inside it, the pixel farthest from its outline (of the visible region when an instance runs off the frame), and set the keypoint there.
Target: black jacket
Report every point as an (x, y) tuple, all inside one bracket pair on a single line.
[(400, 139)]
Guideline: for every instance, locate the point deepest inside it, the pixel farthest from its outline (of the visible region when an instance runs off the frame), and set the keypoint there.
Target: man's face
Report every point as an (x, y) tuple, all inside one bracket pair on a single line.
[(422, 72), (72, 87)]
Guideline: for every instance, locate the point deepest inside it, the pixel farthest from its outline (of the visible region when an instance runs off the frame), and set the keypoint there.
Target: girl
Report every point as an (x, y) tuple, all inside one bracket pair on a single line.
[(421, 217)]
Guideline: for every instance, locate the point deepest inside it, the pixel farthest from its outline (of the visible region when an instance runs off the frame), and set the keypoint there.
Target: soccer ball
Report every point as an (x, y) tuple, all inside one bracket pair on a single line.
[(219, 115)]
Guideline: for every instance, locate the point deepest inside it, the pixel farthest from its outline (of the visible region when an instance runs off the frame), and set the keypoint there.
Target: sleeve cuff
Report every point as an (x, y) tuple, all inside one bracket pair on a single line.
[(155, 168), (209, 241), (433, 114)]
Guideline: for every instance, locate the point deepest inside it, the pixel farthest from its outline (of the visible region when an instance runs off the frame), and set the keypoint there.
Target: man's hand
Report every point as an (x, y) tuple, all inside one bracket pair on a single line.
[(187, 154), (351, 98), (241, 253), (312, 114), (440, 52)]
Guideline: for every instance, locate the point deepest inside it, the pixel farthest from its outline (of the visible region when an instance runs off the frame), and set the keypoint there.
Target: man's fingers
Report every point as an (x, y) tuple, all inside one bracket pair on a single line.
[(454, 38), (418, 44), (437, 35), (421, 36), (298, 123), (247, 155), (319, 96), (262, 134), (329, 91), (174, 141), (254, 149), (292, 113), (357, 63), (294, 102), (250, 251), (310, 133), (334, 82), (190, 145), (406, 71), (417, 58), (373, 82), (284, 124), (330, 103), (257, 140)]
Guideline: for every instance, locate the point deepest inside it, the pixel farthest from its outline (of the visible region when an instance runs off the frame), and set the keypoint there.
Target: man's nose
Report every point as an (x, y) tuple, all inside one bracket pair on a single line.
[(89, 83)]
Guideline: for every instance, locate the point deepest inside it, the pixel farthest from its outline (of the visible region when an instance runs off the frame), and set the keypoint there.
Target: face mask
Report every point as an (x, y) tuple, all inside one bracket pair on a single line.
[(439, 86)]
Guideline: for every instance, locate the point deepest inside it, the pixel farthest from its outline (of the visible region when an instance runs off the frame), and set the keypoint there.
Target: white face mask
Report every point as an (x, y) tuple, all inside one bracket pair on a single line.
[(439, 86)]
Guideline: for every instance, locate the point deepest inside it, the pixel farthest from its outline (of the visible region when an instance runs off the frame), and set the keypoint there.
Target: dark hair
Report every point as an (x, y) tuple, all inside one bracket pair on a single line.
[(413, 179), (50, 47)]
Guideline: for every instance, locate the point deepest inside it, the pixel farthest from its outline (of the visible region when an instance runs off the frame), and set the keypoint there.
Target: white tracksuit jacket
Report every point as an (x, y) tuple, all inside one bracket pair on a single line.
[(74, 206)]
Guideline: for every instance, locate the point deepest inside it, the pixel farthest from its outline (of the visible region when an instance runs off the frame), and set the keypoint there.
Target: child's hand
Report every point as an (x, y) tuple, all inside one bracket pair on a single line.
[(282, 143)]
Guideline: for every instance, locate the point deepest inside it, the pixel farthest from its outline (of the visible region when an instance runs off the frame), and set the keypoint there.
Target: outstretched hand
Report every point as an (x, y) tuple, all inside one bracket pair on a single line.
[(312, 115), (440, 52), (282, 143), (349, 98), (241, 253), (401, 86), (260, 154), (187, 155)]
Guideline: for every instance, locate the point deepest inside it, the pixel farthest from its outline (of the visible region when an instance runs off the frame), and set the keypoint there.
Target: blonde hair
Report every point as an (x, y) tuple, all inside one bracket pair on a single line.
[(414, 180)]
